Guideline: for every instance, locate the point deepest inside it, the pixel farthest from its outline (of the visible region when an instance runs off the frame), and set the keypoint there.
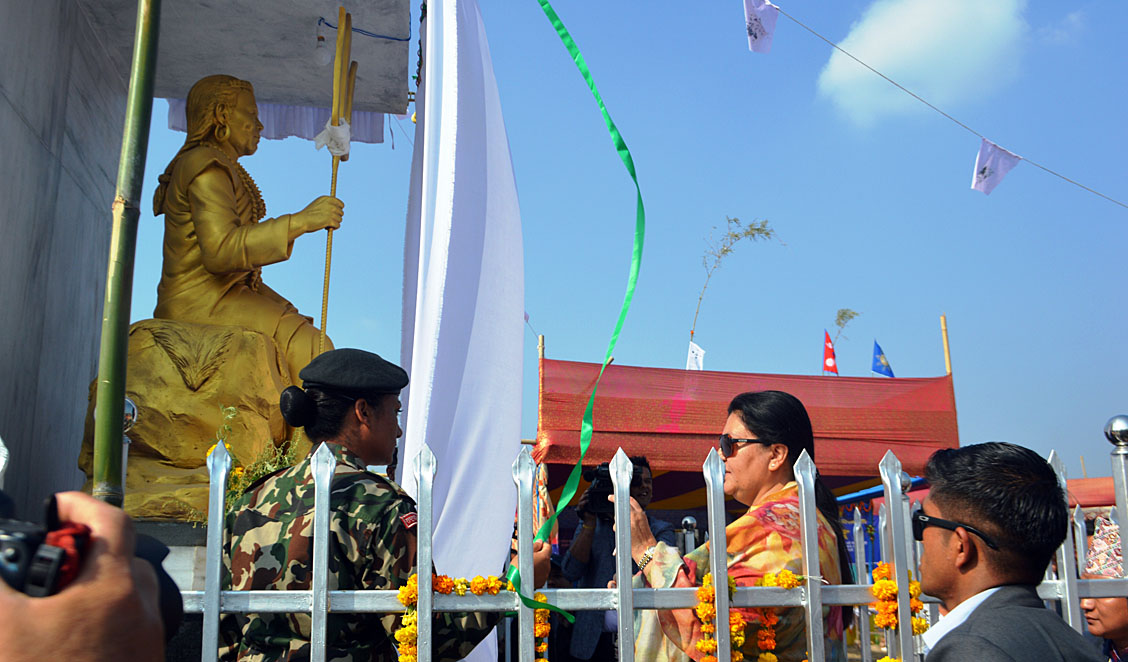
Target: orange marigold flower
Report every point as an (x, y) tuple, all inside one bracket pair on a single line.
[(736, 621), (540, 630), (770, 579), (886, 607), (705, 594), (408, 593), (460, 586), (787, 579), (707, 580), (493, 585), (882, 571), (478, 585), (765, 640), (737, 656), (442, 584), (920, 625), (707, 646), (884, 589), (885, 620), (914, 589), (768, 617), (705, 611), (708, 658), (708, 628), (767, 657), (915, 605), (542, 647)]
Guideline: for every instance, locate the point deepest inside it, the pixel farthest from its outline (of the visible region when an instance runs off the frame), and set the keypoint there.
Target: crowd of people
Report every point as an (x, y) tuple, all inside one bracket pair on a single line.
[(993, 519)]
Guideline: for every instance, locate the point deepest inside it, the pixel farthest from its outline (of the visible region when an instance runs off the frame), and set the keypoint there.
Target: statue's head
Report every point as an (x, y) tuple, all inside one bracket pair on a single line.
[(222, 109)]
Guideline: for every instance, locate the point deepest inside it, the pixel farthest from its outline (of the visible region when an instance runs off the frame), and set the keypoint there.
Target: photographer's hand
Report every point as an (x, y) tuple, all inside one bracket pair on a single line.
[(109, 613)]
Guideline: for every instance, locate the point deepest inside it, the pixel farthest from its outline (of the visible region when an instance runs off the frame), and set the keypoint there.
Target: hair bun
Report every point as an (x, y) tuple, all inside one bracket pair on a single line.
[(297, 407)]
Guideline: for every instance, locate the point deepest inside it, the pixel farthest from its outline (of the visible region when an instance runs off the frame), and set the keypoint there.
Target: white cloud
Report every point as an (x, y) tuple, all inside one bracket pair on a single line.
[(1064, 31), (949, 52)]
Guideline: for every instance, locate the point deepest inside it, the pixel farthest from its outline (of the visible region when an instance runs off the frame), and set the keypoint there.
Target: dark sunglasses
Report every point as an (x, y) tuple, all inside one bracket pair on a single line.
[(920, 521), (727, 443)]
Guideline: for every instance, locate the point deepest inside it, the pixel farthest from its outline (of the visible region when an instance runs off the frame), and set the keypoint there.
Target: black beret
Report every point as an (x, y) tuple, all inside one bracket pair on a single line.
[(355, 371)]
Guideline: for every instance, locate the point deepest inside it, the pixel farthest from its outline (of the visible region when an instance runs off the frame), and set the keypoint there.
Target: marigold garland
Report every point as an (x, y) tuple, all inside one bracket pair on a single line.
[(407, 636), (885, 590), (706, 612)]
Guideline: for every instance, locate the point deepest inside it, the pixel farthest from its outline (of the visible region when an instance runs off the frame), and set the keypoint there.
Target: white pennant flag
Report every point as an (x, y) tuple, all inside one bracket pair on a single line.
[(760, 21), (696, 358), (991, 165)]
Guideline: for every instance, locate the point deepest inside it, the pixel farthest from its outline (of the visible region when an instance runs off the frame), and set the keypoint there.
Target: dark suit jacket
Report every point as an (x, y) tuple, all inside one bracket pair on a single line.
[(1014, 626)]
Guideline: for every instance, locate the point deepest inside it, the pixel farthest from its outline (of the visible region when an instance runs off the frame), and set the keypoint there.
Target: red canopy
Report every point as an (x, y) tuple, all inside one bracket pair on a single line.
[(674, 416)]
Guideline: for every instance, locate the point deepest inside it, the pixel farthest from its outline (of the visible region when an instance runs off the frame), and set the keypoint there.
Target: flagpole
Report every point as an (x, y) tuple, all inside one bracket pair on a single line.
[(947, 349)]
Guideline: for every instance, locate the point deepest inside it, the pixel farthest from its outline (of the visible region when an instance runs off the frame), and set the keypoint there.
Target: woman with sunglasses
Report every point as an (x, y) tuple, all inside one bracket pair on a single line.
[(763, 436)]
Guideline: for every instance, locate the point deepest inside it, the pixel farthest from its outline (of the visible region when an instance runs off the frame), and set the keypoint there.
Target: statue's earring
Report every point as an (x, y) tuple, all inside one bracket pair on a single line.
[(222, 132)]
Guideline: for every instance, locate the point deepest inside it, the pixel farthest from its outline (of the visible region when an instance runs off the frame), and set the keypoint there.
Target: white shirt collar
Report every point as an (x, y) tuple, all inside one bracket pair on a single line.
[(954, 618)]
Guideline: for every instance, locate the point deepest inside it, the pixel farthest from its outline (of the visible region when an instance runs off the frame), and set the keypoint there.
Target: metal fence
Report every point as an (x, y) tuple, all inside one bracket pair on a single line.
[(894, 537)]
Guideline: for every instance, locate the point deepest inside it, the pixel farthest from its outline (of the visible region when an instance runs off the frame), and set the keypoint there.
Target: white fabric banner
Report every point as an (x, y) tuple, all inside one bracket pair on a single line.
[(991, 165), (696, 358), (463, 301), (760, 21), (280, 122)]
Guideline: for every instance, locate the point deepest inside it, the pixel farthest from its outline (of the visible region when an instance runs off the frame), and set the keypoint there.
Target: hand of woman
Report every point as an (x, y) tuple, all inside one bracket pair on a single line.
[(324, 212), (642, 538)]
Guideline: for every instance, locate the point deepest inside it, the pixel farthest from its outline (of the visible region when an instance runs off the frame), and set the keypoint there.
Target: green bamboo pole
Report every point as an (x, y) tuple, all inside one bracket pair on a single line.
[(123, 244)]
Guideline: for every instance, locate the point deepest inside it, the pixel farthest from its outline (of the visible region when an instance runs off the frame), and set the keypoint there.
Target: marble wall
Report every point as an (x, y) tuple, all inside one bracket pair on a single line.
[(62, 106)]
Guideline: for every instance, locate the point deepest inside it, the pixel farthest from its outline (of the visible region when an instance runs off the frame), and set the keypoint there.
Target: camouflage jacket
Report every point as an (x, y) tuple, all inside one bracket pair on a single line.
[(268, 545)]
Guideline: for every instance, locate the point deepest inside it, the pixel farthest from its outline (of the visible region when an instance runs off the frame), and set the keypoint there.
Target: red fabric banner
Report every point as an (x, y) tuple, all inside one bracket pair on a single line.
[(830, 362), (674, 416)]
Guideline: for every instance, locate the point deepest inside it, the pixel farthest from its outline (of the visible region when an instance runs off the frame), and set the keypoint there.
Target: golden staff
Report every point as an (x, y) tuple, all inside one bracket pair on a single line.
[(344, 82)]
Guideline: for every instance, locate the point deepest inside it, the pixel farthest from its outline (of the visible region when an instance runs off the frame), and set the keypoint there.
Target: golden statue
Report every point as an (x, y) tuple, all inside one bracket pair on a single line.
[(215, 241)]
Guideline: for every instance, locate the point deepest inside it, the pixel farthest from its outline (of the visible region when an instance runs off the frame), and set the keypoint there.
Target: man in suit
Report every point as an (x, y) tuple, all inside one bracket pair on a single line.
[(993, 518)]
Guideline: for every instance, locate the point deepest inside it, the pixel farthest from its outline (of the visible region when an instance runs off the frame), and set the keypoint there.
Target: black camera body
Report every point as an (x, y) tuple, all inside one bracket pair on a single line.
[(601, 488), (31, 564)]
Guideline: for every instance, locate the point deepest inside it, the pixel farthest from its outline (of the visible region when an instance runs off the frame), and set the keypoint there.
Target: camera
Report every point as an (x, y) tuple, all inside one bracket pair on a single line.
[(38, 560), (601, 488)]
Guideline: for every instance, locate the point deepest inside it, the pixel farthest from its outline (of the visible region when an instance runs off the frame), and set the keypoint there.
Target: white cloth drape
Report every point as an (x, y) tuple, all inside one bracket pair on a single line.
[(463, 300), (696, 358), (280, 122), (759, 21), (992, 163)]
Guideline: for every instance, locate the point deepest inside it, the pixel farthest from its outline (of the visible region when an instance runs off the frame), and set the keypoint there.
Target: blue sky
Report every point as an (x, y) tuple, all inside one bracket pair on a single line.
[(867, 189)]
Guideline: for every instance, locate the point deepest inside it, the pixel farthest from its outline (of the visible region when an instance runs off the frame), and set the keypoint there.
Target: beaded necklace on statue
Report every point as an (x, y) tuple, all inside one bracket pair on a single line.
[(258, 205)]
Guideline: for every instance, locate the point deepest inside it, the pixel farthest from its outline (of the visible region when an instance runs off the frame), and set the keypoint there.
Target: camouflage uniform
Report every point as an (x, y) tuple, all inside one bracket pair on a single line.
[(268, 546)]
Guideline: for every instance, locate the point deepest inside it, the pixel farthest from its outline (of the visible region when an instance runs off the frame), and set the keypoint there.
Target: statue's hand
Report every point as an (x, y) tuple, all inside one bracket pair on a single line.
[(324, 212)]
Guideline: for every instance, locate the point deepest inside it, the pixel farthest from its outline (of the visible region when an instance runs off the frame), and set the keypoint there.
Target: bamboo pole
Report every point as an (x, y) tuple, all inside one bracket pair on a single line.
[(112, 354), (947, 348), (344, 43)]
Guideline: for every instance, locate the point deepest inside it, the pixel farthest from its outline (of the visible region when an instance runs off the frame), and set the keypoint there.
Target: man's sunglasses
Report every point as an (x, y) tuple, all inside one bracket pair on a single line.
[(727, 444), (920, 521)]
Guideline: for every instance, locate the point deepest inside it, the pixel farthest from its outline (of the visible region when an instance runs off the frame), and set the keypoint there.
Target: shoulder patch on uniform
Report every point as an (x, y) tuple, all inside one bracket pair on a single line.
[(409, 520)]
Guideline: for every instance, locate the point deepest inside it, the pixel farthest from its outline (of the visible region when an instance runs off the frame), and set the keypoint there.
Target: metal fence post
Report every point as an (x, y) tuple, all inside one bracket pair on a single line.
[(322, 465), (863, 572), (714, 471), (621, 473), (804, 469), (1067, 559), (1116, 431), (219, 463), (1080, 539), (425, 559), (689, 534), (523, 468), (890, 468)]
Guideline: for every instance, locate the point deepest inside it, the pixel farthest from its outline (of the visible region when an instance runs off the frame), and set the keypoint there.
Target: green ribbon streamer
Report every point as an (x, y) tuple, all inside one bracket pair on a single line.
[(586, 428)]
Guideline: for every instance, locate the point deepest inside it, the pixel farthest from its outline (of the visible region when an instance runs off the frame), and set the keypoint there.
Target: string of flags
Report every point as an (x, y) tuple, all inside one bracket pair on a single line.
[(992, 163)]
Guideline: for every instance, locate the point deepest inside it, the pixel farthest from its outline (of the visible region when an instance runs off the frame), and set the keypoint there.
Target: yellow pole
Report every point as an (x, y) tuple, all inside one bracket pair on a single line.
[(947, 348)]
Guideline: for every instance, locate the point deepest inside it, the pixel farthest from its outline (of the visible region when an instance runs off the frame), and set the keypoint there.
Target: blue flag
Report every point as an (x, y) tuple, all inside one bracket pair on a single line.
[(880, 363)]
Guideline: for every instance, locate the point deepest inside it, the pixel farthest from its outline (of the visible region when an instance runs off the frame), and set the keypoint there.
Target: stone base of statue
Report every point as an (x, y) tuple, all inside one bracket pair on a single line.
[(179, 376)]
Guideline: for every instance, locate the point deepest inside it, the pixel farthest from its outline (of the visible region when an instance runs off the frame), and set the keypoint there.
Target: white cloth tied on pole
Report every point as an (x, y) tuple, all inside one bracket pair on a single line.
[(991, 165), (279, 122), (759, 22), (336, 138), (696, 358)]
